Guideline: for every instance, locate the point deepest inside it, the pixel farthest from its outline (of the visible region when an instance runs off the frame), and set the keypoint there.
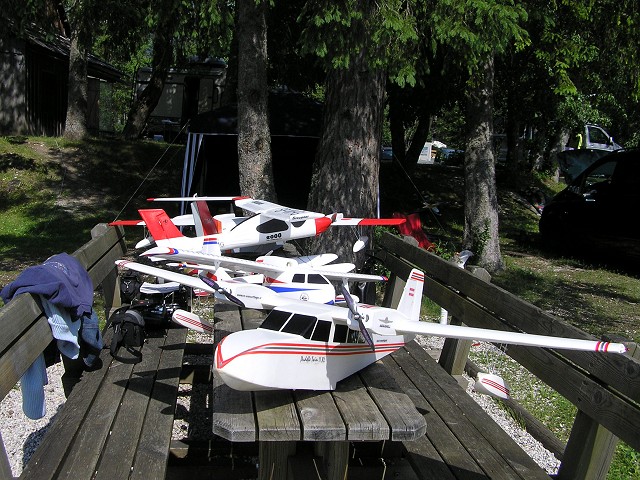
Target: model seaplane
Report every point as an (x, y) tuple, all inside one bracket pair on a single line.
[(269, 227), (302, 278), (304, 345)]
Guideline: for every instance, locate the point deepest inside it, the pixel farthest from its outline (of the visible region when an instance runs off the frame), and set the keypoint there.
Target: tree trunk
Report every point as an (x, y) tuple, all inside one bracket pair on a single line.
[(346, 168), (76, 123), (254, 138), (230, 93), (396, 124), (420, 137), (481, 203), (161, 62)]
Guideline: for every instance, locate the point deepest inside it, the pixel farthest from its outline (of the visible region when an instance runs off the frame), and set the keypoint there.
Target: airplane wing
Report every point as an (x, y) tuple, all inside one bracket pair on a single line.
[(366, 222), (193, 199), (180, 221), (275, 211), (189, 281), (500, 336), (239, 264), (251, 295)]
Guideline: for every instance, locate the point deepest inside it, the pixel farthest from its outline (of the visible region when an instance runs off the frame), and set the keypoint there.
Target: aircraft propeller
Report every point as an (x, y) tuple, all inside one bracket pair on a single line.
[(357, 316), (213, 284)]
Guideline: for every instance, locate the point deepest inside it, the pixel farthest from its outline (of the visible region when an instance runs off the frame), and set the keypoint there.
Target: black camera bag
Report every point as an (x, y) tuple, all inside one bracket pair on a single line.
[(128, 333)]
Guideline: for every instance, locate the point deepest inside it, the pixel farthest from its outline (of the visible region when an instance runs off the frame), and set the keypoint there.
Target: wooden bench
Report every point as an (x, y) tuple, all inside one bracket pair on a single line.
[(117, 421), (604, 388)]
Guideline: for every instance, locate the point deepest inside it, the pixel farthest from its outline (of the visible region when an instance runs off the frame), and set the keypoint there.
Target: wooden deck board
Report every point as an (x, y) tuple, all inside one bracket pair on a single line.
[(120, 448), (233, 413), (321, 420), (361, 415), (496, 453), (155, 439), (395, 405)]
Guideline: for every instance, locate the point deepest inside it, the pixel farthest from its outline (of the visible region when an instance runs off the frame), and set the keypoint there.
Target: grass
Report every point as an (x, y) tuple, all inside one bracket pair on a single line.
[(53, 192), (594, 296)]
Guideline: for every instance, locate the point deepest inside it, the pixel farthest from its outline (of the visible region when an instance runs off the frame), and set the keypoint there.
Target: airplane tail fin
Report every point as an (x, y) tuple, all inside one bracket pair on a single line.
[(159, 224), (204, 222), (411, 299)]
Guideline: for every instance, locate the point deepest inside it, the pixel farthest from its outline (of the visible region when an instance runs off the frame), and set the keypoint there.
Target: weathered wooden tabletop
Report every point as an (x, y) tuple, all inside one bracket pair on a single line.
[(366, 406)]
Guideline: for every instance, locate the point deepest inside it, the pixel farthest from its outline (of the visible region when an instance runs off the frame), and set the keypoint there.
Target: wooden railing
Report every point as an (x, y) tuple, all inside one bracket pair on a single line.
[(604, 388)]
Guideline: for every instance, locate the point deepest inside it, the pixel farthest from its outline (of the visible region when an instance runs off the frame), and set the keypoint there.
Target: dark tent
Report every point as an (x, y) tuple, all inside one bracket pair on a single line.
[(211, 156)]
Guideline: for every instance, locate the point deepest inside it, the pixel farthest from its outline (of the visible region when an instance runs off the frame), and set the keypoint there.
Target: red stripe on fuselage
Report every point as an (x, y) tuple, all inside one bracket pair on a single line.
[(305, 349)]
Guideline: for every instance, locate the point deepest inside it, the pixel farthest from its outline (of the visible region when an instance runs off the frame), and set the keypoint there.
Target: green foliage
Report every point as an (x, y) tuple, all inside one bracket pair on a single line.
[(476, 29), (389, 38)]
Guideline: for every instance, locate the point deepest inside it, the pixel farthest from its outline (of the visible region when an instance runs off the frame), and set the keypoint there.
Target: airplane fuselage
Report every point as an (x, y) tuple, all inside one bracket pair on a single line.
[(306, 351)]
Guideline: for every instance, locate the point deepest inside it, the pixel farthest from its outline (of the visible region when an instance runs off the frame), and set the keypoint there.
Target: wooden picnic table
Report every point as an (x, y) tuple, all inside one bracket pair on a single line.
[(368, 406)]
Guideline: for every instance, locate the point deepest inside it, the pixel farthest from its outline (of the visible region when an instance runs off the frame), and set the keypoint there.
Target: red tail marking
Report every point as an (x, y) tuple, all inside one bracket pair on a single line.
[(159, 224), (209, 225)]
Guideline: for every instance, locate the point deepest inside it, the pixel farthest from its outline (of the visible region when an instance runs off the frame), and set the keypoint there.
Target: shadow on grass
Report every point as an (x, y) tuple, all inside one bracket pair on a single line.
[(590, 306)]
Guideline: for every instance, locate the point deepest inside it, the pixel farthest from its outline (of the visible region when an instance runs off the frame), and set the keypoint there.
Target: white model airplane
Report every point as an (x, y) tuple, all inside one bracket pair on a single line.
[(269, 227), (304, 345), (256, 291), (302, 278)]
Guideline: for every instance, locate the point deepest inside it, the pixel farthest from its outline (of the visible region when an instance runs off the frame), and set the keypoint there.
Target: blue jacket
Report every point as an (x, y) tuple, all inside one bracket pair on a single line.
[(64, 282)]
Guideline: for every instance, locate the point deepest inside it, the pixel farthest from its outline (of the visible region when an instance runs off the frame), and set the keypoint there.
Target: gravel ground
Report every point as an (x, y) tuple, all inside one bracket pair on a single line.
[(22, 435)]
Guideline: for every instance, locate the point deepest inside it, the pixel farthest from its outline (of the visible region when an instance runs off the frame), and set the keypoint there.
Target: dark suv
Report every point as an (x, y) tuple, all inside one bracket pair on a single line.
[(598, 211)]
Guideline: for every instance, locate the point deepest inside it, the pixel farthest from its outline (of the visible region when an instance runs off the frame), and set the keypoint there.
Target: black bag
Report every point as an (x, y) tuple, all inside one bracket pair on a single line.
[(128, 332), (130, 284)]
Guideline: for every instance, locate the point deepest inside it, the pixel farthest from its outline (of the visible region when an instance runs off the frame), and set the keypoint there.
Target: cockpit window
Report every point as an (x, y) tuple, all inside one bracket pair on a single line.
[(355, 336), (318, 279), (300, 325), (271, 226), (298, 278), (322, 331), (340, 334), (275, 320)]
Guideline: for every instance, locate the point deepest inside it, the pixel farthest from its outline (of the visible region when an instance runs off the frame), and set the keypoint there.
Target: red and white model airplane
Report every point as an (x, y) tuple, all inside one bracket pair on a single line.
[(304, 345), (270, 226)]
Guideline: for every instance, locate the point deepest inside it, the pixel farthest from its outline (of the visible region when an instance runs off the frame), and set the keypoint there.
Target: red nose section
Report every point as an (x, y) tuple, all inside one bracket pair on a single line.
[(322, 224)]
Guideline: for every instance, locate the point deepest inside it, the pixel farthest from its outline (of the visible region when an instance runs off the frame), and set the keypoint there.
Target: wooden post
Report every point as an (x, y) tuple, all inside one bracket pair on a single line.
[(454, 353), (589, 451), (274, 456), (335, 458), (393, 291), (453, 357)]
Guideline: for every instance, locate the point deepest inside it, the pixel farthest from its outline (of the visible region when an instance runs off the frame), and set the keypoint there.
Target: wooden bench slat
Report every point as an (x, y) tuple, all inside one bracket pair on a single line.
[(82, 459), (17, 316), (124, 434), (276, 416), (492, 448), (48, 457), (621, 372), (233, 417), (401, 414), (318, 409), (438, 442), (19, 356), (359, 412), (155, 439)]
